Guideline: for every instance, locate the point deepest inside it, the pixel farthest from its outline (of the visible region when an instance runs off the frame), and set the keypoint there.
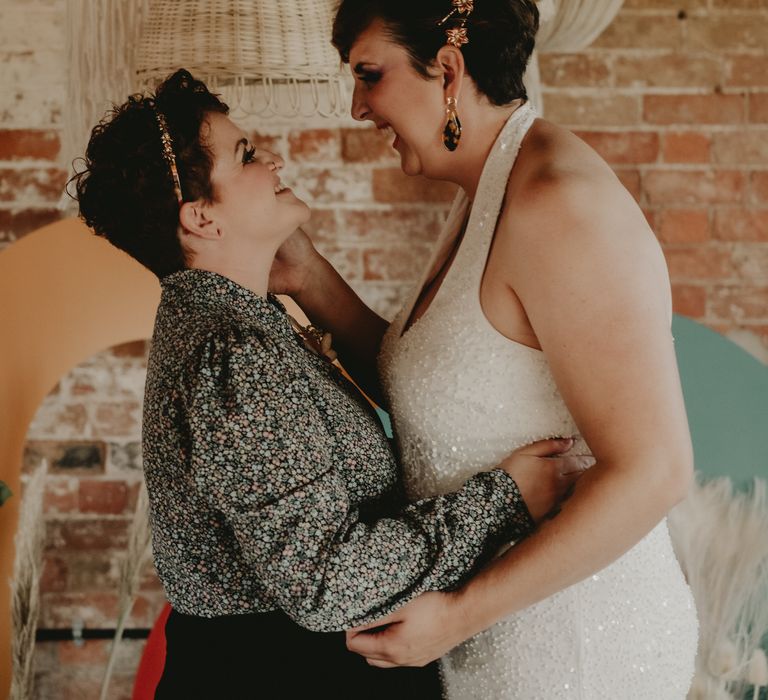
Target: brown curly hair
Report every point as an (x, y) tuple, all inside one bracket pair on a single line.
[(125, 191)]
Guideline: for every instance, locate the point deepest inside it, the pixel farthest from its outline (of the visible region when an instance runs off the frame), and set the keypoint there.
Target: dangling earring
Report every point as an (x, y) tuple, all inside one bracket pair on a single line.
[(452, 131)]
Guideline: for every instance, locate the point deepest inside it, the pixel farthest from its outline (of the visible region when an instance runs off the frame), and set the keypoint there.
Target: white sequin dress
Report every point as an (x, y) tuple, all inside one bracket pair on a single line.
[(462, 396)]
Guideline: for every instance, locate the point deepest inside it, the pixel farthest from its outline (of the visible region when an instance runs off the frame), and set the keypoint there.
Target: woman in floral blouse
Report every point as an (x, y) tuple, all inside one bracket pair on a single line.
[(274, 494)]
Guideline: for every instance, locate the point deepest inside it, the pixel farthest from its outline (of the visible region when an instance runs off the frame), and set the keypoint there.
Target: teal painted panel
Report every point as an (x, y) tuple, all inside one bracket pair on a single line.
[(726, 395)]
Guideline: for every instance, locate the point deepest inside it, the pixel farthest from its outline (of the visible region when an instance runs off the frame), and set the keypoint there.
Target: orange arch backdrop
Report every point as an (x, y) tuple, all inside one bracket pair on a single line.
[(64, 295)]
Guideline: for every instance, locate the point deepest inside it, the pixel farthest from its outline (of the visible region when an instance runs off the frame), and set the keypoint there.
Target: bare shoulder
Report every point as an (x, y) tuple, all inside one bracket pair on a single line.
[(562, 193)]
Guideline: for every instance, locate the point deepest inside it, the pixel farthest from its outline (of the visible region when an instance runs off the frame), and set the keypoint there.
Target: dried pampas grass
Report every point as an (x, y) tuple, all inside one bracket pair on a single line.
[(136, 555), (25, 585), (721, 540)]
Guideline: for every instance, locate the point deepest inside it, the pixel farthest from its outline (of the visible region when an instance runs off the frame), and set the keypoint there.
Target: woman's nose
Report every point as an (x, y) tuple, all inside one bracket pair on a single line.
[(360, 109), (275, 161)]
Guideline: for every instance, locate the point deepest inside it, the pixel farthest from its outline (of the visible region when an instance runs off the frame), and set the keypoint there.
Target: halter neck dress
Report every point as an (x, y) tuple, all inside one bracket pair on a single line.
[(462, 397)]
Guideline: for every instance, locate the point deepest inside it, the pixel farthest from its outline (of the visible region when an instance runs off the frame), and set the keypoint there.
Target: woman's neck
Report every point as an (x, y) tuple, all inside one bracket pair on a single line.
[(249, 269)]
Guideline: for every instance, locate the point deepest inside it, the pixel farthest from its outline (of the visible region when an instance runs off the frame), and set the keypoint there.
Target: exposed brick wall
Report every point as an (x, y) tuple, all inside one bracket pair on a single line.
[(675, 97)]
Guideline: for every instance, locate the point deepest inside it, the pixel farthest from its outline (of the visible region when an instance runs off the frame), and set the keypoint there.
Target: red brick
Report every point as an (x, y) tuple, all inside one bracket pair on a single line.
[(737, 224), (367, 146), (29, 144), (268, 142), (641, 32), (54, 576), (92, 652), (694, 109), (625, 147), (668, 70), (748, 70), (574, 70), (104, 497), (740, 147), (66, 457), (40, 184), (758, 110), (93, 570), (60, 496), (739, 303), (631, 180), (722, 32), (402, 263), (117, 419), (392, 185), (686, 147), (751, 262), (334, 185), (395, 225), (683, 226), (314, 145), (89, 534), (759, 180), (698, 263), (15, 224), (678, 188), (689, 301), (592, 110)]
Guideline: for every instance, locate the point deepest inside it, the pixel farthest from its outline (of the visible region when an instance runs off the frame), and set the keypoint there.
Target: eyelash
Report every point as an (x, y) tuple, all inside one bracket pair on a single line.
[(248, 154), (370, 78)]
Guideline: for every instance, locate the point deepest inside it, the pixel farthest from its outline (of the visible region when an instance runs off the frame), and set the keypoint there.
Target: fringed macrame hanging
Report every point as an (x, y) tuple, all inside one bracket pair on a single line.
[(566, 26), (100, 45), (273, 58)]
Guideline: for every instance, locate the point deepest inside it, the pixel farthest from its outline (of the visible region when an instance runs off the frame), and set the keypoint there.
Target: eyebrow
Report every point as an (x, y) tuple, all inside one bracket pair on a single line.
[(242, 142)]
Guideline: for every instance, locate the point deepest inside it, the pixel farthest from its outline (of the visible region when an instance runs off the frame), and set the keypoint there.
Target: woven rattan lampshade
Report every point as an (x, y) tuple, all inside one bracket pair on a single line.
[(275, 54)]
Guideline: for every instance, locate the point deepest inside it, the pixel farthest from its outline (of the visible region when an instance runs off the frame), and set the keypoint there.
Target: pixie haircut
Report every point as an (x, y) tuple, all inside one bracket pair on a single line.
[(501, 37), (125, 190)]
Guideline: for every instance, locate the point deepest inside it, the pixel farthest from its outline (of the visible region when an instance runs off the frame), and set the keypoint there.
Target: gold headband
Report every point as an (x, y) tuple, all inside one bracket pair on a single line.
[(457, 36), (168, 154)]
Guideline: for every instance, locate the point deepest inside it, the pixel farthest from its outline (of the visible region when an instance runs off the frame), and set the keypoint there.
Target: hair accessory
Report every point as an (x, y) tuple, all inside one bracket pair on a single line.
[(452, 130), (168, 154), (457, 36)]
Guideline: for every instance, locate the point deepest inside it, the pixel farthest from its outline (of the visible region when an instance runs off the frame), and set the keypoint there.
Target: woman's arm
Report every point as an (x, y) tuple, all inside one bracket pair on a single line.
[(261, 454), (593, 282), (331, 304)]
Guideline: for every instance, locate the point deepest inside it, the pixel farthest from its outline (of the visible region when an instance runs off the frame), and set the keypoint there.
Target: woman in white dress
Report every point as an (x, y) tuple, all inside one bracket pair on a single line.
[(545, 310)]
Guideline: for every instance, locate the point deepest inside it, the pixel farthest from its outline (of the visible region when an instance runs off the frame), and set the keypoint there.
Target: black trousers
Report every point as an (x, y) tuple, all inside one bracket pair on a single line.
[(267, 656)]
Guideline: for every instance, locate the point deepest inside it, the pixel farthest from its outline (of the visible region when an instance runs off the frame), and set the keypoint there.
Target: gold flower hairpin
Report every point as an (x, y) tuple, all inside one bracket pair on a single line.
[(457, 36)]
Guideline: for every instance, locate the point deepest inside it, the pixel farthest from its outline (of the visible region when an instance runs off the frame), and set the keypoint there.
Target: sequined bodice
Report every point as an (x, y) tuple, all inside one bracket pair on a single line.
[(462, 397)]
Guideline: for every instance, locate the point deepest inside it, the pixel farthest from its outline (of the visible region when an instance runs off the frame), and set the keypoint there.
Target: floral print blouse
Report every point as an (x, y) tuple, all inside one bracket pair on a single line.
[(272, 484)]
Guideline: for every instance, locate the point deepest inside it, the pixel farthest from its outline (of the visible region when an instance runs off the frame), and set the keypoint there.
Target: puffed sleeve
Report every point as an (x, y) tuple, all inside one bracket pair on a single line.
[(262, 456)]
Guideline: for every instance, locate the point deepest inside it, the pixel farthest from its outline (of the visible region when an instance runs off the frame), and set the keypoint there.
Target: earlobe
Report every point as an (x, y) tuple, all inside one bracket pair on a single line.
[(195, 219)]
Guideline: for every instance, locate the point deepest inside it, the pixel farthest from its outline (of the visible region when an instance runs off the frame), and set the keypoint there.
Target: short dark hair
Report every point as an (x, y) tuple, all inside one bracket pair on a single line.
[(501, 37), (125, 191)]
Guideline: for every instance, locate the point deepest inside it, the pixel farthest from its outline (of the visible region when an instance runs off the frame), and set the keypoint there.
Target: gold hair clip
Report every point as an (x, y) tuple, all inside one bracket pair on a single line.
[(457, 36), (168, 154)]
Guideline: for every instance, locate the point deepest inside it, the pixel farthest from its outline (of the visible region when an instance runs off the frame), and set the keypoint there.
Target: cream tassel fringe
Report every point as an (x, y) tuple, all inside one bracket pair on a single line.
[(102, 36), (25, 586), (136, 556), (721, 540)]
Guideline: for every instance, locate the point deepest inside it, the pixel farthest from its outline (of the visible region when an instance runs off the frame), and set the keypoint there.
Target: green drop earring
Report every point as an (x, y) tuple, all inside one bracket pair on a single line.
[(452, 131)]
